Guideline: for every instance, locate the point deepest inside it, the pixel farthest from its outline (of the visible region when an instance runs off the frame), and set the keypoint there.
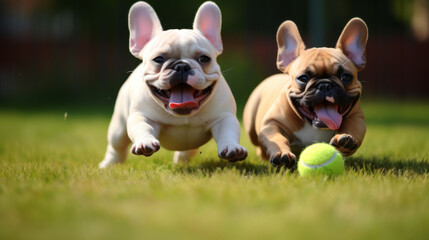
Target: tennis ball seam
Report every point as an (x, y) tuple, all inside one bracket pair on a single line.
[(322, 164)]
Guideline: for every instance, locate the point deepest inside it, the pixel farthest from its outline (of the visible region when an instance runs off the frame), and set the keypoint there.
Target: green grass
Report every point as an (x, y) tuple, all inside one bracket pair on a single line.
[(51, 188)]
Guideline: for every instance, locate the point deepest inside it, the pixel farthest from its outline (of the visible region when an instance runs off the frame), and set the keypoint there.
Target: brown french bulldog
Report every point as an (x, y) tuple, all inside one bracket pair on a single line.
[(317, 99)]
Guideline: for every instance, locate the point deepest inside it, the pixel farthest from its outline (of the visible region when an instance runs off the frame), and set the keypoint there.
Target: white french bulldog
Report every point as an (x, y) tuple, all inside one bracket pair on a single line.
[(177, 97)]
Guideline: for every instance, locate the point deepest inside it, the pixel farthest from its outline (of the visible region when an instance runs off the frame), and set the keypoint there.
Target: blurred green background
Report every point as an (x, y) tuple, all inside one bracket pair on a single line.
[(75, 52)]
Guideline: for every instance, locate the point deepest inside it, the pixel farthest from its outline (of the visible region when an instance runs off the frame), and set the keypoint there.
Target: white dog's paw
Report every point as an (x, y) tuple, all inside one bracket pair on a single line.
[(232, 152), (105, 164), (183, 157), (112, 157), (145, 146)]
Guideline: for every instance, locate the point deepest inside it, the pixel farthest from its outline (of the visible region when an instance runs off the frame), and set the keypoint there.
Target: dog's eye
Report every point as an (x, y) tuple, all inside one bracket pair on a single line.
[(159, 60), (204, 59), (346, 77), (303, 78)]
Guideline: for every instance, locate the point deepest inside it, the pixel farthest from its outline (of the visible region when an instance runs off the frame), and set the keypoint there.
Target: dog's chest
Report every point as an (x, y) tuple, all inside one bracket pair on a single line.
[(309, 135), (183, 137)]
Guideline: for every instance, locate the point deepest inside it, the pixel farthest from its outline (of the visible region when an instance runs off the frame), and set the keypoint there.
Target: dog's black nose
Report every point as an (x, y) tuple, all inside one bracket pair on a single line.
[(324, 86), (182, 67)]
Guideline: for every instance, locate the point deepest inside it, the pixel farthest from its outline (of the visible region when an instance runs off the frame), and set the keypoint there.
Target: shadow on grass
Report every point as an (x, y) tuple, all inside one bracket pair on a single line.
[(369, 165), (388, 165), (208, 168)]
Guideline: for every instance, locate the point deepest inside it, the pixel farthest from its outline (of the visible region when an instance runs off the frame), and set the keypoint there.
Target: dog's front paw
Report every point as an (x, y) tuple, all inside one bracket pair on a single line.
[(145, 146), (344, 143), (232, 152), (287, 159)]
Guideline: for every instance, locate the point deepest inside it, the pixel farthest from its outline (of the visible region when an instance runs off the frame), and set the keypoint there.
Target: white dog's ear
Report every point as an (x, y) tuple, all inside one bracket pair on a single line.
[(143, 24), (352, 41), (208, 21), (289, 43)]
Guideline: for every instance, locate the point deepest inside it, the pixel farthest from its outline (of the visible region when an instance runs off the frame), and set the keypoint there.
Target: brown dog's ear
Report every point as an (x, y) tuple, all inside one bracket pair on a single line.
[(352, 42), (144, 25), (289, 43)]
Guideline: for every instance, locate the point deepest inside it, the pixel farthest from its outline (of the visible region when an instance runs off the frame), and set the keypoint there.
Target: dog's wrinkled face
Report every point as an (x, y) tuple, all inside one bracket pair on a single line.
[(324, 87), (180, 70), (179, 66)]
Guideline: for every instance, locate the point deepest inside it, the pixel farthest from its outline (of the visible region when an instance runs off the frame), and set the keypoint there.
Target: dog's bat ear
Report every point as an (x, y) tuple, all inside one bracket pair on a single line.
[(289, 43), (144, 25), (208, 21), (352, 41)]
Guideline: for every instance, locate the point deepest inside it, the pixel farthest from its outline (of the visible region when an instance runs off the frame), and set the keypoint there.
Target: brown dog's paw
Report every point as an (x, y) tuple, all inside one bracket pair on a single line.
[(145, 147), (233, 153), (344, 143), (286, 159)]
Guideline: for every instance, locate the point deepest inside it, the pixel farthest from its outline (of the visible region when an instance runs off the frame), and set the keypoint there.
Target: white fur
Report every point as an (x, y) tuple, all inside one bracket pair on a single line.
[(141, 119), (309, 135)]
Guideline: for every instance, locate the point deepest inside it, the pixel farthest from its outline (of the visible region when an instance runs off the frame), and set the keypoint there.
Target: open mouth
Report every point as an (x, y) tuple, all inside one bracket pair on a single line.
[(325, 114), (182, 98)]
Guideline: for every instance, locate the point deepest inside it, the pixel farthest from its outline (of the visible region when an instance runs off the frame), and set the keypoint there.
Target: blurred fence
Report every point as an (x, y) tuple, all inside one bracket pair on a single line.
[(77, 51)]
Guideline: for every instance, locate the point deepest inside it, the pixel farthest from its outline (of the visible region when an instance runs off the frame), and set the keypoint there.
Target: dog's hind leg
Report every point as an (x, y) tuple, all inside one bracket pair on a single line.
[(117, 142), (117, 136), (184, 156), (261, 154)]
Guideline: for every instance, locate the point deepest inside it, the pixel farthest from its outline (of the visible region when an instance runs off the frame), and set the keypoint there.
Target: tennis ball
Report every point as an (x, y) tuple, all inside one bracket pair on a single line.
[(320, 159)]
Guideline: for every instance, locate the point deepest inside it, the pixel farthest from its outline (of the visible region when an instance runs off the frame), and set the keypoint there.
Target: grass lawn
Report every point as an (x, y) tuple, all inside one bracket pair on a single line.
[(51, 187)]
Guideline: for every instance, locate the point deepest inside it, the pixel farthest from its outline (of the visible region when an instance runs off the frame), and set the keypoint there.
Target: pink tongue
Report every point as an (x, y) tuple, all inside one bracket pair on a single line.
[(182, 96), (328, 114)]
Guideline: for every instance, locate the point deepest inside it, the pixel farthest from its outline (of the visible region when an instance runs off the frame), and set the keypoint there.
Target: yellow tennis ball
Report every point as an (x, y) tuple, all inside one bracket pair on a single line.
[(320, 159)]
